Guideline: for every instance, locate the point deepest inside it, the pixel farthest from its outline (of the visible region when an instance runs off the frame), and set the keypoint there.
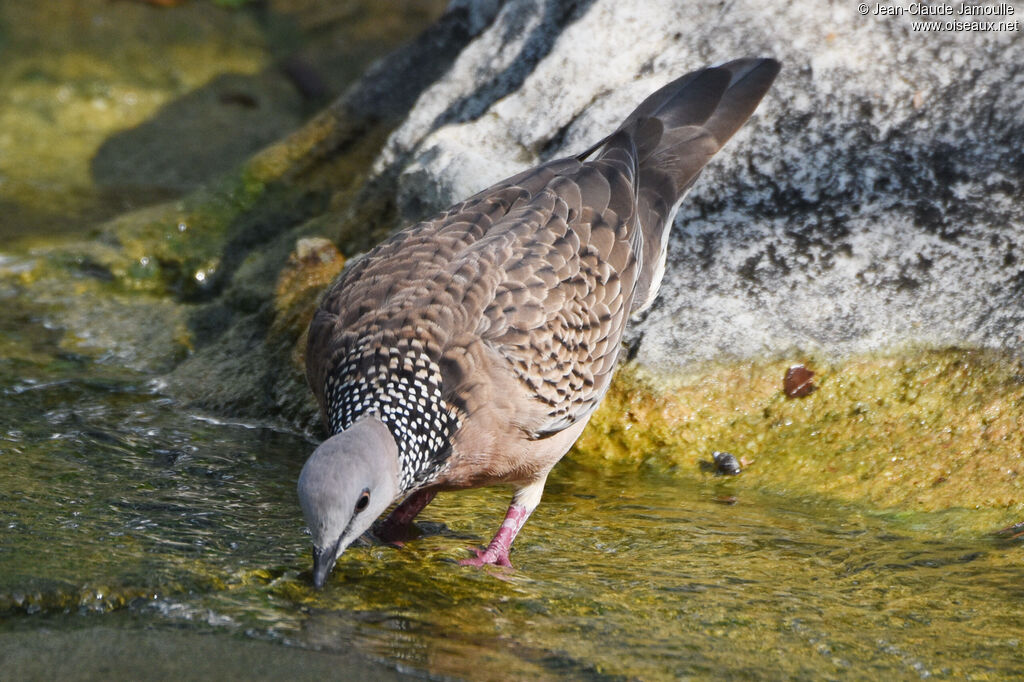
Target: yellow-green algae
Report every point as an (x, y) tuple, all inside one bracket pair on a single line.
[(310, 269), (922, 430), (66, 89)]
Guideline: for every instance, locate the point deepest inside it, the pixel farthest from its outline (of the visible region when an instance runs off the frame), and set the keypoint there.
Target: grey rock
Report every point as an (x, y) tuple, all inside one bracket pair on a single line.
[(873, 200)]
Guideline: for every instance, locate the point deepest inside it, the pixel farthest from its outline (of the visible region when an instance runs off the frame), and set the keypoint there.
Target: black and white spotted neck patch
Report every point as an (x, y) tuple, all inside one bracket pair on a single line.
[(402, 387)]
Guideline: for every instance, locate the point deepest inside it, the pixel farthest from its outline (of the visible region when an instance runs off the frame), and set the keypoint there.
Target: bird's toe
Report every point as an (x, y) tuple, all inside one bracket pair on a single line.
[(485, 557)]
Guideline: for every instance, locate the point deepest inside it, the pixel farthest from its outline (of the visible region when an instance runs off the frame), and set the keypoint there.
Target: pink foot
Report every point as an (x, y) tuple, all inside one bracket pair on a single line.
[(484, 557), (497, 552)]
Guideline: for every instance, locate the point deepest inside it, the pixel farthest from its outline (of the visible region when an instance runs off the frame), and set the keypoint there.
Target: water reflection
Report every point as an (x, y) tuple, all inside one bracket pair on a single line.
[(116, 499)]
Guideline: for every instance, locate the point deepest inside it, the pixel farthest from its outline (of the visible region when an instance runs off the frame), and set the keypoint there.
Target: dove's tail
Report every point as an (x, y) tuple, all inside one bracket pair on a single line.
[(672, 135)]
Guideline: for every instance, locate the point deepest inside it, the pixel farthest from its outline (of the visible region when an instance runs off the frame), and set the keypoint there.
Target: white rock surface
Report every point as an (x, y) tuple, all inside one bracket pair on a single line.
[(874, 199)]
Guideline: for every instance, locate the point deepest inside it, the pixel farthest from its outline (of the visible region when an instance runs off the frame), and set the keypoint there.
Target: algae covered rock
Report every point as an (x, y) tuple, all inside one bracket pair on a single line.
[(917, 430)]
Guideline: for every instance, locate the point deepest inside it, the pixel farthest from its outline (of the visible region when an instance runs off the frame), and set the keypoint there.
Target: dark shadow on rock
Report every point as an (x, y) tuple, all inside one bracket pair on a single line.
[(556, 16), (201, 135)]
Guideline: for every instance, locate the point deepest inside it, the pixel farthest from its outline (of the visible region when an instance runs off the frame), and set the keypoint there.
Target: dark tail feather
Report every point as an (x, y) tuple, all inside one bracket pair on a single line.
[(681, 126), (751, 79), (674, 133)]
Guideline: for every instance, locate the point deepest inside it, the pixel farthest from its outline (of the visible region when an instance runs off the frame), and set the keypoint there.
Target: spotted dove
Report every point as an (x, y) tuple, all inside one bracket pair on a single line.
[(471, 349)]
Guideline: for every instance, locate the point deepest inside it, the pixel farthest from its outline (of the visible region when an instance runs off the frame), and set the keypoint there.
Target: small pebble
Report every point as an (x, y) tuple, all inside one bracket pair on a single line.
[(798, 382), (726, 464)]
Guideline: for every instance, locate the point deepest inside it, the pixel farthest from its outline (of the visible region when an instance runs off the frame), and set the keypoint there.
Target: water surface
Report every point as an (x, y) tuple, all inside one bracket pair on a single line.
[(124, 512)]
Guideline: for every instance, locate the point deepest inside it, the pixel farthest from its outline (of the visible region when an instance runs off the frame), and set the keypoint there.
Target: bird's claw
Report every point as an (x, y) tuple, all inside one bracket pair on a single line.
[(487, 556)]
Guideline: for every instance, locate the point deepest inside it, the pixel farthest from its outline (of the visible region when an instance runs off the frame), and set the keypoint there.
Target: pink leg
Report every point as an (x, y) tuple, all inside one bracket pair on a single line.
[(525, 501), (497, 552), (395, 528)]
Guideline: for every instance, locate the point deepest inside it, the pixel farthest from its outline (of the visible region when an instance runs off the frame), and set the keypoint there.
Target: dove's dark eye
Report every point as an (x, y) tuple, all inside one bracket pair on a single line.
[(363, 501)]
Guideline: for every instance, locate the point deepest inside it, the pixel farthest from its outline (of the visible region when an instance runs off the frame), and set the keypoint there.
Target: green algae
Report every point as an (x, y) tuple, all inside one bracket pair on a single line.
[(918, 430), (66, 89)]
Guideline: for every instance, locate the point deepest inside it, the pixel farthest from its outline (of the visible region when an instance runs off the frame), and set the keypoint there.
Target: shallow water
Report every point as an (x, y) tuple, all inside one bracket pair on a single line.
[(126, 515)]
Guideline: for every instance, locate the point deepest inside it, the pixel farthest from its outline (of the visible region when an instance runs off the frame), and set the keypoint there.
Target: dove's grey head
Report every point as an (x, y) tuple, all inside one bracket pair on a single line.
[(345, 485)]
